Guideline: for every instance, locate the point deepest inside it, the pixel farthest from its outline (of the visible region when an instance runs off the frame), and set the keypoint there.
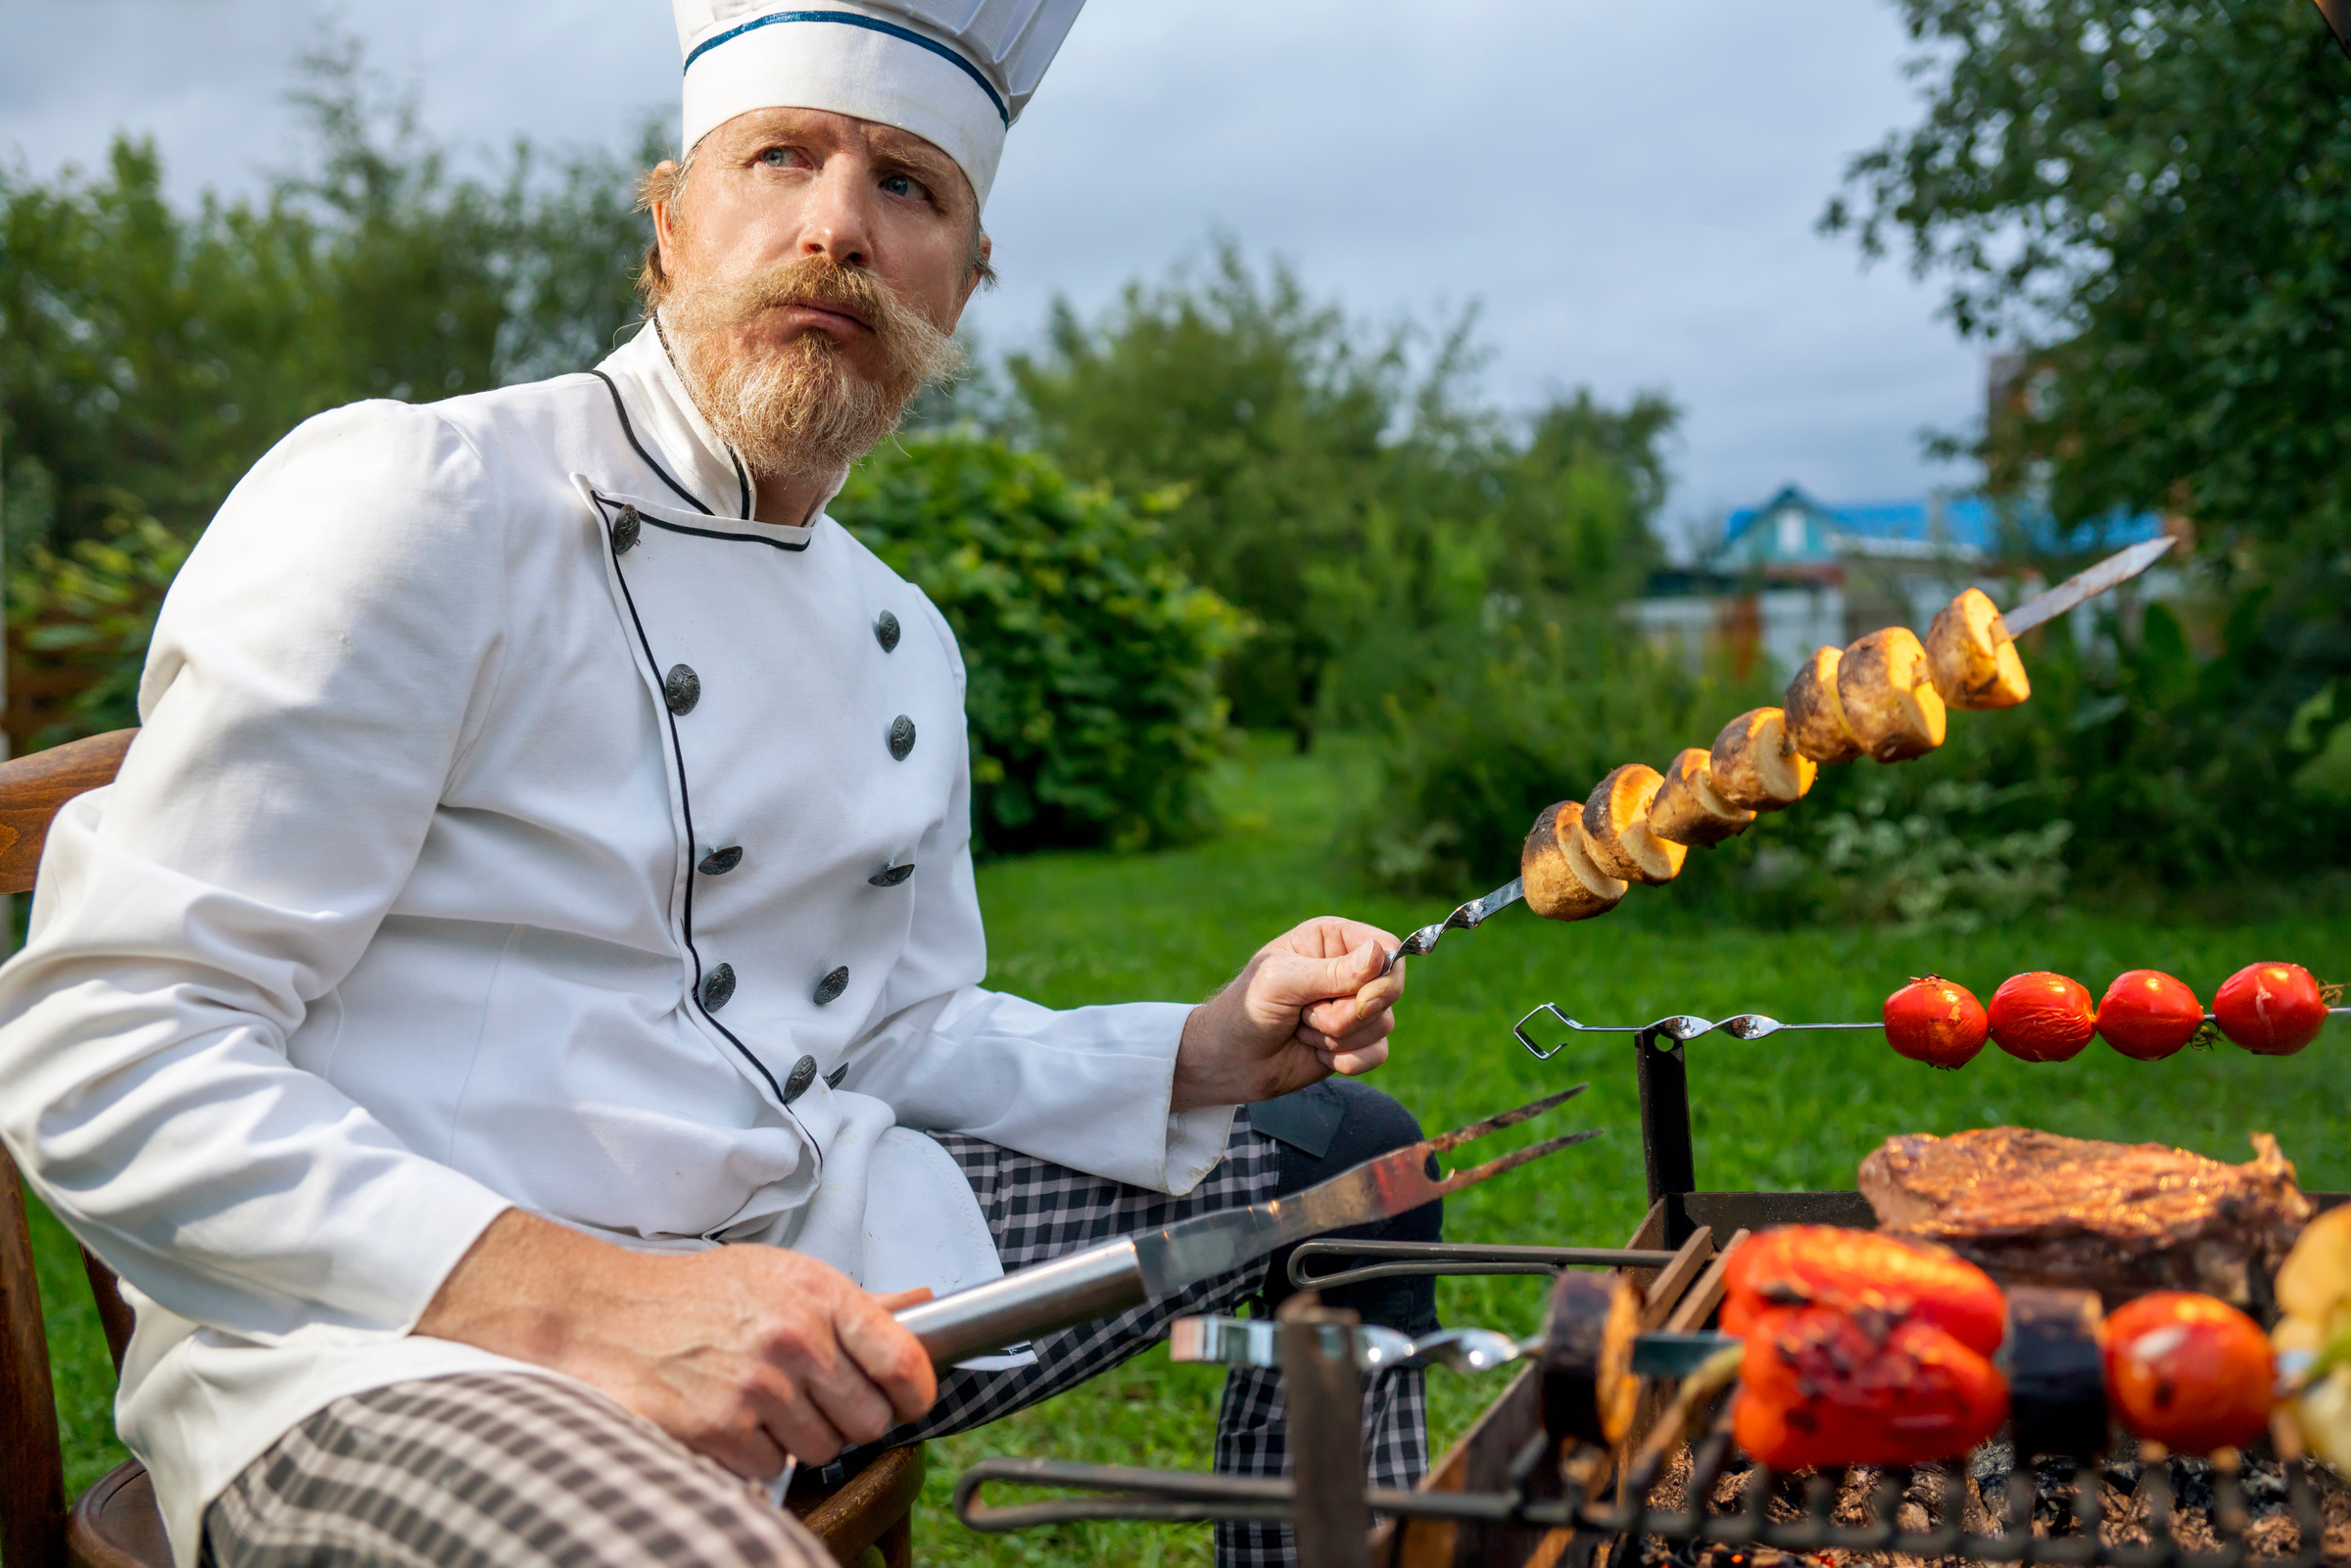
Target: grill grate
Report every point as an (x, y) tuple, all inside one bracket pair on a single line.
[(2164, 1513)]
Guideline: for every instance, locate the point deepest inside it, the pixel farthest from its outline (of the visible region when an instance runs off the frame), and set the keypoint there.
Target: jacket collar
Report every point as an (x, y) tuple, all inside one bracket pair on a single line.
[(673, 433)]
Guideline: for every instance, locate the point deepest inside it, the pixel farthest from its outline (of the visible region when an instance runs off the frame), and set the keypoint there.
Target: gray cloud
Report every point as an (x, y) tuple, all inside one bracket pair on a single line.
[(1628, 189)]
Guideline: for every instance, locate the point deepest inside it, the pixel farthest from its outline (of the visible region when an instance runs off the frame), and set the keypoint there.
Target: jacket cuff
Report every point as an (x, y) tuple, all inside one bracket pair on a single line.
[(1196, 1141)]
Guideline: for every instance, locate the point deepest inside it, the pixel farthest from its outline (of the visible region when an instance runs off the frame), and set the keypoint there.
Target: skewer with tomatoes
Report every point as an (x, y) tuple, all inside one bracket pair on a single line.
[(2271, 1008)]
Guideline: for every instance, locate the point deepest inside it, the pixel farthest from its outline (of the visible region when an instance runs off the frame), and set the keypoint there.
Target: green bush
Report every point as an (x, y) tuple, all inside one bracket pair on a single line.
[(1535, 713), (1093, 664), (78, 625)]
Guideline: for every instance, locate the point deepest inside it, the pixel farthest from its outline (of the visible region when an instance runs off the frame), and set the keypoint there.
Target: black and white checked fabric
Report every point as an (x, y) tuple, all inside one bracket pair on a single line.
[(494, 1470), (1038, 1211), (517, 1469)]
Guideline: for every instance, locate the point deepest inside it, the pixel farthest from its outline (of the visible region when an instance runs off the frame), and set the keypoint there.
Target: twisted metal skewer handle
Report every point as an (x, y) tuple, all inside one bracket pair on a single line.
[(1678, 1028), (1468, 917)]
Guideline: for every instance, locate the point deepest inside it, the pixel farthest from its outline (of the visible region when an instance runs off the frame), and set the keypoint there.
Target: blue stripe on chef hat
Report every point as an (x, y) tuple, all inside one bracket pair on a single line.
[(956, 72)]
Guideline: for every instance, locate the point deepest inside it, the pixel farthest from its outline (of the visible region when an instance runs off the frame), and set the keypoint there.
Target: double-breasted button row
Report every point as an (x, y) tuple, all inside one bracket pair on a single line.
[(718, 987), (682, 690)]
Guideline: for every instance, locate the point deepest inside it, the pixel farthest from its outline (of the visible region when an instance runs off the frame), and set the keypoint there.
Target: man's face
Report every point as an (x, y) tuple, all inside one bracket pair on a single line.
[(816, 266)]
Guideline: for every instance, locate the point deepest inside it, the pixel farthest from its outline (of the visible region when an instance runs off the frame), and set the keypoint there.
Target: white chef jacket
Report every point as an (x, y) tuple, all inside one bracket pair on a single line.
[(504, 830)]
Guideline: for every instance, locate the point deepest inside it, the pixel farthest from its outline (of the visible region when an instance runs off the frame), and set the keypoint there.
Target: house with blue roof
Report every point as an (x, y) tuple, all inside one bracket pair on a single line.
[(1797, 573)]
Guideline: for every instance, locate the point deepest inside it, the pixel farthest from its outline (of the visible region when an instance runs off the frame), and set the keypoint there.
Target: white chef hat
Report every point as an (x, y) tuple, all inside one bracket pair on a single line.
[(955, 73)]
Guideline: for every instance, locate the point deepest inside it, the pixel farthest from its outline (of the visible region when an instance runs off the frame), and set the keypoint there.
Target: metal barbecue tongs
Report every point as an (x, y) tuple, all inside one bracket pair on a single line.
[(2077, 589), (1104, 1280)]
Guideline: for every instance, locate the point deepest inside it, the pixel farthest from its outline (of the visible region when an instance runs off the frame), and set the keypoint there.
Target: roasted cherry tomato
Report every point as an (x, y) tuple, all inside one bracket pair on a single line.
[(1860, 1270), (2271, 1008), (2146, 1015), (1935, 1022), (2189, 1372), (2042, 1016), (1823, 1387)]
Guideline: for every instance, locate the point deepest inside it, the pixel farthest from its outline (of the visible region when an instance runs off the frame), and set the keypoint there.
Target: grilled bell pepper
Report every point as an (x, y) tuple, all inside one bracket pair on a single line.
[(1824, 1385), (1823, 1265)]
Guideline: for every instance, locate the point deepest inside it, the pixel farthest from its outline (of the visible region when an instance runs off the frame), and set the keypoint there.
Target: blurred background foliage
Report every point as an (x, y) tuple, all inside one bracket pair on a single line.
[(1224, 499)]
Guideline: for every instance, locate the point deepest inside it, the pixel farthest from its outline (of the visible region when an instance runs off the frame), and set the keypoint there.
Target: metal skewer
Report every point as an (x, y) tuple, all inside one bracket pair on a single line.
[(1257, 1342), (2115, 570)]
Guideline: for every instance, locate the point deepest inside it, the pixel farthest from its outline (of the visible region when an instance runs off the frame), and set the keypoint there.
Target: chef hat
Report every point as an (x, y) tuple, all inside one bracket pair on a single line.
[(955, 73)]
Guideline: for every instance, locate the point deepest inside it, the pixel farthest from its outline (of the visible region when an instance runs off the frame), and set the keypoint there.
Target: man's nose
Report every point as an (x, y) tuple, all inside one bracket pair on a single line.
[(838, 221)]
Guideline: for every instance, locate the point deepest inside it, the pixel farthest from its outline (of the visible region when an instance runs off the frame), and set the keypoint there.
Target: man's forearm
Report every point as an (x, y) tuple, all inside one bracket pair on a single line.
[(744, 1353), (515, 1290)]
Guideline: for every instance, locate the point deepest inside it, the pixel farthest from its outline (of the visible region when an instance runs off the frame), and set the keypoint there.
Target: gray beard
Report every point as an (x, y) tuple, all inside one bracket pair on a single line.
[(802, 411)]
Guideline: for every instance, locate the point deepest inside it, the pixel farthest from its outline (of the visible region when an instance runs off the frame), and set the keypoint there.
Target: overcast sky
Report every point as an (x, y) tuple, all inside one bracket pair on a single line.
[(1627, 187)]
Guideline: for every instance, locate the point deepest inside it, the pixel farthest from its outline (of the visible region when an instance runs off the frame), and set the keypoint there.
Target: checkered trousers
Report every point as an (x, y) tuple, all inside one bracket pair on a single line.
[(494, 1470), (1038, 1211)]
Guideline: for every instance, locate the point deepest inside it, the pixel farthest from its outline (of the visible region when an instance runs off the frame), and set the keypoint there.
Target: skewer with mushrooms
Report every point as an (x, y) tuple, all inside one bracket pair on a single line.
[(1887, 697)]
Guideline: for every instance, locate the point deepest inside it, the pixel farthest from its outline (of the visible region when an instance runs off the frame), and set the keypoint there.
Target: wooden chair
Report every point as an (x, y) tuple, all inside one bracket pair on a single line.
[(868, 1518)]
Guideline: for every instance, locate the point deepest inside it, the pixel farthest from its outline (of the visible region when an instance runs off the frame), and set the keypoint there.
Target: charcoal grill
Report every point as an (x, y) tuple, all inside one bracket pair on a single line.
[(1508, 1496)]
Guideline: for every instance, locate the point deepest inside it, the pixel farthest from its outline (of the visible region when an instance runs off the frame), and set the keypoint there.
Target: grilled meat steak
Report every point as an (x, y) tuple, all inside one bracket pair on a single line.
[(2120, 1219)]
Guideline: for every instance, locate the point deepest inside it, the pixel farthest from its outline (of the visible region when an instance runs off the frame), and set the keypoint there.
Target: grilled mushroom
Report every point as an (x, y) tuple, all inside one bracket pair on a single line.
[(1888, 696), (1562, 882), (1616, 828), (1972, 658), (1687, 810), (1815, 718), (1756, 766)]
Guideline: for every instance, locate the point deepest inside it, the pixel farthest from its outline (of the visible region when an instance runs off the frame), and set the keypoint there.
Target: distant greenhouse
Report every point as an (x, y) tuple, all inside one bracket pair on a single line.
[(1797, 573)]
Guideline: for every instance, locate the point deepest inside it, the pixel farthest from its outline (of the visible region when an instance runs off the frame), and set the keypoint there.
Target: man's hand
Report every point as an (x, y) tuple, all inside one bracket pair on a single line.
[(744, 1353), (1311, 1002)]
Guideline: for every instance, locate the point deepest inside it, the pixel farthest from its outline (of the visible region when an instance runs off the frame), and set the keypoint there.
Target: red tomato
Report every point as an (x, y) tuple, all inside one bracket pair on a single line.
[(1818, 1386), (1862, 1271), (2042, 1016), (2271, 1008), (1936, 1022), (2189, 1372), (2146, 1015)]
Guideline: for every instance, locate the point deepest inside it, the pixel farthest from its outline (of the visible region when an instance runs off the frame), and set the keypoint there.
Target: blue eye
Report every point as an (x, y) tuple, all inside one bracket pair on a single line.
[(902, 185), (776, 156)]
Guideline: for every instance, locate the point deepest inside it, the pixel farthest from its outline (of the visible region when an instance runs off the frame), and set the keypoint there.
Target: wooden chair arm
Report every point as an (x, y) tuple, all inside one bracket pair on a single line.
[(33, 787)]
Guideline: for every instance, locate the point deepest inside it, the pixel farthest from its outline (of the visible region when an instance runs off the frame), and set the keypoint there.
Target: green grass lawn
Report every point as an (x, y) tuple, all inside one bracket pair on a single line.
[(1792, 1112)]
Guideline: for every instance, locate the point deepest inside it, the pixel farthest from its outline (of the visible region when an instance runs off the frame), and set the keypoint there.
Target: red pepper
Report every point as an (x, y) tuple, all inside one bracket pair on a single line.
[(1823, 1265), (1824, 1387)]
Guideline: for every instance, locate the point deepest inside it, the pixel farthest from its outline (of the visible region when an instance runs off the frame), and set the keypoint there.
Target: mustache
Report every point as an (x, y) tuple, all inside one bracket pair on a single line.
[(812, 280)]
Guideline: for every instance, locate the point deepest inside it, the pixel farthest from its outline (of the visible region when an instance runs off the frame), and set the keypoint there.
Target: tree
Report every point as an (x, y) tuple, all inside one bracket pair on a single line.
[(1339, 484), (2156, 197), (2153, 199), (148, 357)]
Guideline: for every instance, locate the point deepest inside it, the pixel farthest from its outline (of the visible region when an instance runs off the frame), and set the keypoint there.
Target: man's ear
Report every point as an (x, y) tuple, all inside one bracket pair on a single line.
[(980, 273), (664, 179)]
